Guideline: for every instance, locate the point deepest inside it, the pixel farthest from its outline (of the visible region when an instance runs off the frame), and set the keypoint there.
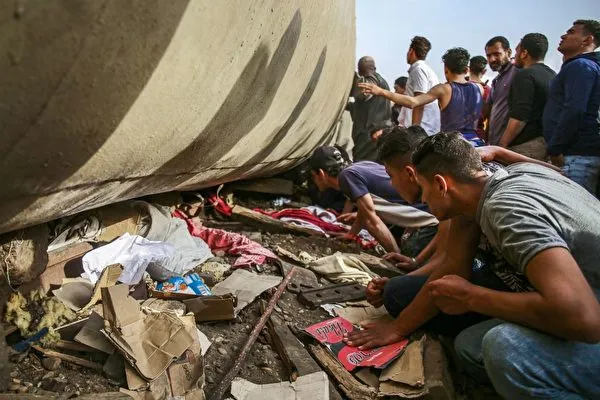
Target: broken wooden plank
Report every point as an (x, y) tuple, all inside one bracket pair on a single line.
[(438, 380), (338, 293), (265, 185), (72, 359), (271, 224), (351, 387), (293, 354), (303, 279), (73, 346)]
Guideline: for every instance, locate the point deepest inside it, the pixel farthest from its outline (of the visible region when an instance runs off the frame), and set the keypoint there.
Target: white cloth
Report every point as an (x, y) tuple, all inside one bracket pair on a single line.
[(133, 252), (421, 79)]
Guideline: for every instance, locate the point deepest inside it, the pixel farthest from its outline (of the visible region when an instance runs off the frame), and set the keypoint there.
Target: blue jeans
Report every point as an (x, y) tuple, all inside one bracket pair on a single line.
[(523, 363), (585, 170), (400, 291)]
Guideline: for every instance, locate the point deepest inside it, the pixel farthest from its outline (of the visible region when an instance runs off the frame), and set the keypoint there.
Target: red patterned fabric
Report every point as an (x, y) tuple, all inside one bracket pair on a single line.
[(249, 252), (304, 215)]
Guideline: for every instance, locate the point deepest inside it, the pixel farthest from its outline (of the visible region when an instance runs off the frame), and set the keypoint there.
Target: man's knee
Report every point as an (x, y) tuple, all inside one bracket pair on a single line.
[(400, 291), (505, 359)]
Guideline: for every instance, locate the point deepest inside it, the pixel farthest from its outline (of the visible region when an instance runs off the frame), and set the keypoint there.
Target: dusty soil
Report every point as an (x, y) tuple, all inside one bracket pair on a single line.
[(262, 365)]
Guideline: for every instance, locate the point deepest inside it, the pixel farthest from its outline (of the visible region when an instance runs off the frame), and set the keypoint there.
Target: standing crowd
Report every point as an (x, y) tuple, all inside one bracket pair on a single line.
[(487, 195)]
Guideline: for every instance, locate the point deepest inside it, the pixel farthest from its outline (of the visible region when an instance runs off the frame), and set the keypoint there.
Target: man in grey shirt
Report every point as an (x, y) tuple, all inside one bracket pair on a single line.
[(541, 343), (498, 53)]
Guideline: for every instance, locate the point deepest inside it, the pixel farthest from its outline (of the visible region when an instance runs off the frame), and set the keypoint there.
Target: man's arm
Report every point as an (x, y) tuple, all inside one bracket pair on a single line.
[(376, 227), (413, 102), (578, 90), (459, 247), (564, 304), (513, 128), (520, 104), (505, 156)]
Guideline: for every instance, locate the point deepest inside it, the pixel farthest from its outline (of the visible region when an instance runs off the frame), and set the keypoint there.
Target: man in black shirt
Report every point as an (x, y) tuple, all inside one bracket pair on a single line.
[(527, 98)]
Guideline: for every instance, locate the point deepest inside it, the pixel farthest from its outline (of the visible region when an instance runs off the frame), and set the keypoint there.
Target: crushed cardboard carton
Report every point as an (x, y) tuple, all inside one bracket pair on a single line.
[(212, 308), (331, 334), (149, 341)]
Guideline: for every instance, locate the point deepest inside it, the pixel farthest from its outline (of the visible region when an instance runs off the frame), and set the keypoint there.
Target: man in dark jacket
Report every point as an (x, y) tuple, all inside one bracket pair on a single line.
[(367, 111), (572, 113)]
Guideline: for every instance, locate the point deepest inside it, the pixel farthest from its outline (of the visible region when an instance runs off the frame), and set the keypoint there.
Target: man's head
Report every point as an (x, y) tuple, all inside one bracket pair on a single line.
[(498, 52), (379, 128), (456, 62), (366, 66), (418, 49), (400, 85), (532, 49), (442, 162), (395, 151), (477, 66), (582, 37), (325, 165)]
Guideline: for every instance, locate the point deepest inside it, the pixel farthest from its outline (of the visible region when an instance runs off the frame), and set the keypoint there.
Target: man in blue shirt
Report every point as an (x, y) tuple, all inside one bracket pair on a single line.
[(572, 114), (367, 186)]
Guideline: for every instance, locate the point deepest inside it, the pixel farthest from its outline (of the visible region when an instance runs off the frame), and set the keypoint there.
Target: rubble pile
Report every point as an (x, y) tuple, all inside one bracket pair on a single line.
[(197, 300)]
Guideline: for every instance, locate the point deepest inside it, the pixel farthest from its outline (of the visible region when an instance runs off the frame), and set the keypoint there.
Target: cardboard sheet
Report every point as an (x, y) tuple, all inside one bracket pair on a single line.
[(92, 336), (246, 286), (362, 315), (149, 341), (308, 387), (331, 334)]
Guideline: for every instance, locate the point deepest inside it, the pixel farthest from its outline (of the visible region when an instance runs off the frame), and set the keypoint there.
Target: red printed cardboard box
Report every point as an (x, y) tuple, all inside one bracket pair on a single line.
[(331, 334)]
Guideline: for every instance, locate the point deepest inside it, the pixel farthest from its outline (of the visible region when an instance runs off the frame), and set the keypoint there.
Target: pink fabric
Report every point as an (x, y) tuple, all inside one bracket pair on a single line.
[(249, 252), (305, 215)]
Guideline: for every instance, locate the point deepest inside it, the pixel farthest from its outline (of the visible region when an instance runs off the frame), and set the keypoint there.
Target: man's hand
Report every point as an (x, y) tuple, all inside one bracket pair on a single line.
[(487, 153), (451, 294), (370, 88), (376, 135), (558, 160), (401, 261), (373, 335), (375, 291), (347, 218)]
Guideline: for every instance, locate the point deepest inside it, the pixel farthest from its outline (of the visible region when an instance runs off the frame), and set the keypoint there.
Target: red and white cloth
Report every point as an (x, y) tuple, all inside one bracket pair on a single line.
[(250, 253)]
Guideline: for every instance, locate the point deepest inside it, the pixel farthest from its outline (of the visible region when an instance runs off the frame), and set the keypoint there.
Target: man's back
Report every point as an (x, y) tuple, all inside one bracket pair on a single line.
[(421, 78), (367, 113), (527, 98), (365, 177), (526, 208)]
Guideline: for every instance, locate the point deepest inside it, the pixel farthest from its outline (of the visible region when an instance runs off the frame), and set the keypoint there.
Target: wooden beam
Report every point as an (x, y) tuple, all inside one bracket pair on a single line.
[(65, 357), (351, 387), (270, 224)]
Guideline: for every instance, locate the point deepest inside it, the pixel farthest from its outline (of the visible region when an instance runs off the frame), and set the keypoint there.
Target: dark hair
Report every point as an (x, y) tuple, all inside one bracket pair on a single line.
[(400, 142), (421, 46), (536, 45), (456, 60), (496, 39), (591, 27), (447, 153), (478, 64), (401, 81)]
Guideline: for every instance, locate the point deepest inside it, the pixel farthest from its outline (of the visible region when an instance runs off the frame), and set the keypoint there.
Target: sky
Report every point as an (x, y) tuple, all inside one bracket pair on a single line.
[(384, 27)]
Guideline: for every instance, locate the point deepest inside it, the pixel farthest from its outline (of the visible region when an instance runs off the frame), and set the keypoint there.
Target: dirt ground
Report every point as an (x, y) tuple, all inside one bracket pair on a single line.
[(262, 365)]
